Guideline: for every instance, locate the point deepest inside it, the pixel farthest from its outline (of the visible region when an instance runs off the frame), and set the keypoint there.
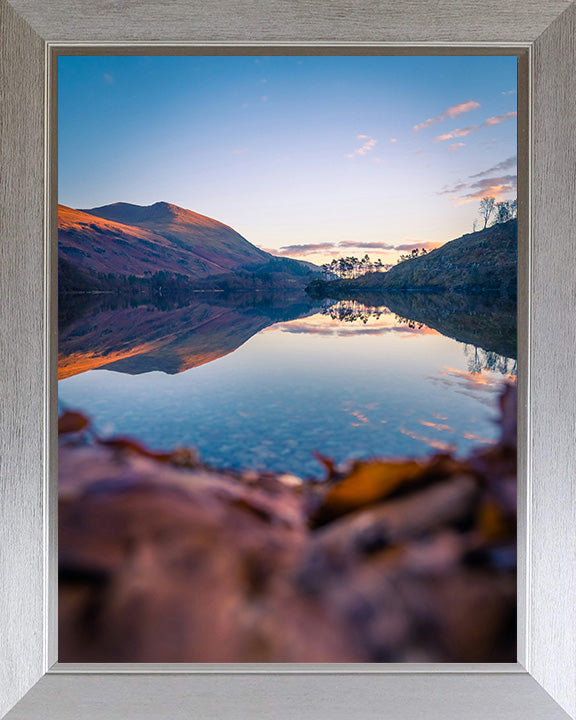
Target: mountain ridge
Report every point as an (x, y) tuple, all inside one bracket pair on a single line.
[(125, 240)]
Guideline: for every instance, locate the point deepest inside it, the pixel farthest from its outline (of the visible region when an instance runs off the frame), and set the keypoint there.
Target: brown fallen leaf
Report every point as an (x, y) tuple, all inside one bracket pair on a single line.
[(180, 456), (72, 422), (328, 463)]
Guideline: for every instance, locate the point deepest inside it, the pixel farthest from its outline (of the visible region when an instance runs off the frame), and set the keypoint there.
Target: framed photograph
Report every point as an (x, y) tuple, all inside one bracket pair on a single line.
[(291, 283)]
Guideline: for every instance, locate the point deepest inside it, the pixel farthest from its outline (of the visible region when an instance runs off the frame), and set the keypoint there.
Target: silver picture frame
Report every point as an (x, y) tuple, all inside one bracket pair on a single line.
[(542, 685)]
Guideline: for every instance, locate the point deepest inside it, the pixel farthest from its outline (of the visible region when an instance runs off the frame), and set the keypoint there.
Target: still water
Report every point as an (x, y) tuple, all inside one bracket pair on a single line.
[(265, 389)]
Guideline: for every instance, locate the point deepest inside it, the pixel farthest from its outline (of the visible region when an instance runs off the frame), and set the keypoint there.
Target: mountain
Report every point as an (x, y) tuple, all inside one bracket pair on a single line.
[(126, 240), (480, 262), (101, 245), (218, 246)]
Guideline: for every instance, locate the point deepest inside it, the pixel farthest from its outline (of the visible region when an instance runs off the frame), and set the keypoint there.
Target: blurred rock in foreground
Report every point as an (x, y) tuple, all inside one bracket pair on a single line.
[(165, 560)]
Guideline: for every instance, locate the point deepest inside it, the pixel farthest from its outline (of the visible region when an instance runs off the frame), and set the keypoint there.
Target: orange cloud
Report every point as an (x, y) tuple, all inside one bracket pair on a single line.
[(494, 187), (451, 112), (456, 146), (413, 244), (491, 191)]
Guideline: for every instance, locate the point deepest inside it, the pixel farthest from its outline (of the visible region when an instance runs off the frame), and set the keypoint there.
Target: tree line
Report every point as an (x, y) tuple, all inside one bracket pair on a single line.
[(353, 267)]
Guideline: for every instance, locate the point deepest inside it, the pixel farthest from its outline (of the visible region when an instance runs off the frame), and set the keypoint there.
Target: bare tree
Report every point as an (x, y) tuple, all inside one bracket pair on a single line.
[(486, 209)]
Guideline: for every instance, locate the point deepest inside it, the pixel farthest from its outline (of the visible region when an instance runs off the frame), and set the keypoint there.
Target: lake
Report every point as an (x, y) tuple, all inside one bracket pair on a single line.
[(266, 383)]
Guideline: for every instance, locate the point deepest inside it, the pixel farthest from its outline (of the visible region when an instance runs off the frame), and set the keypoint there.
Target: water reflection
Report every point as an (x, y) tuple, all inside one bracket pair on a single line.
[(264, 383), (112, 333)]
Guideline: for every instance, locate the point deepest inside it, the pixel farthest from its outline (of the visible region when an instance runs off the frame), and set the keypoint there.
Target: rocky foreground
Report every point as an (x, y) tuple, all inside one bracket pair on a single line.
[(163, 559)]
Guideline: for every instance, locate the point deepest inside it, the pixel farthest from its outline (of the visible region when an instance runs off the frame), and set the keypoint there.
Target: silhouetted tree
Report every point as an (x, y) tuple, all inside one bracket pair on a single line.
[(416, 252)]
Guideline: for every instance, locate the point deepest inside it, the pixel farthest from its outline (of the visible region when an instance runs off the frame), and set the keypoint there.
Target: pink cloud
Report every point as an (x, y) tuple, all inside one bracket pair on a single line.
[(499, 118), (451, 113), (367, 245), (459, 132), (303, 250), (489, 122), (366, 146)]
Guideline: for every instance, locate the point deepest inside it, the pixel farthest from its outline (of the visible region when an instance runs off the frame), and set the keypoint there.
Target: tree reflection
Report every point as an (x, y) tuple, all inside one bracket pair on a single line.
[(353, 311), (478, 360), (412, 324)]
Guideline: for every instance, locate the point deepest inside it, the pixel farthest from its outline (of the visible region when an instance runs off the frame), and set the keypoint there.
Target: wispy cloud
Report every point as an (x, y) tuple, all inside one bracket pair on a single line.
[(367, 245), (393, 140), (451, 190), (456, 146), (497, 119), (304, 249), (450, 113), (504, 165), (366, 146), (108, 78), (239, 151), (508, 92), (324, 248), (489, 122), (484, 184)]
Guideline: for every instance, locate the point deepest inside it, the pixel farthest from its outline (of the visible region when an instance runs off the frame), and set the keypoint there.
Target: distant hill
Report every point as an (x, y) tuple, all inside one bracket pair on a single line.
[(480, 262), (125, 240)]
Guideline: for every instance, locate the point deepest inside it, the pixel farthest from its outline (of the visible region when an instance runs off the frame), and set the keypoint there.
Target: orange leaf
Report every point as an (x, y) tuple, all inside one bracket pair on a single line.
[(493, 523), (367, 483)]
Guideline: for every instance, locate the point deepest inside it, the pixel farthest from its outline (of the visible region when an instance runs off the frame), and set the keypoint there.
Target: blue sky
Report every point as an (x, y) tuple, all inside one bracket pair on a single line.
[(311, 157)]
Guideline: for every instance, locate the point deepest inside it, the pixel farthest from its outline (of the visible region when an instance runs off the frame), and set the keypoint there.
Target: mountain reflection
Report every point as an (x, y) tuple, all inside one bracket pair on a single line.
[(121, 334), (111, 333)]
